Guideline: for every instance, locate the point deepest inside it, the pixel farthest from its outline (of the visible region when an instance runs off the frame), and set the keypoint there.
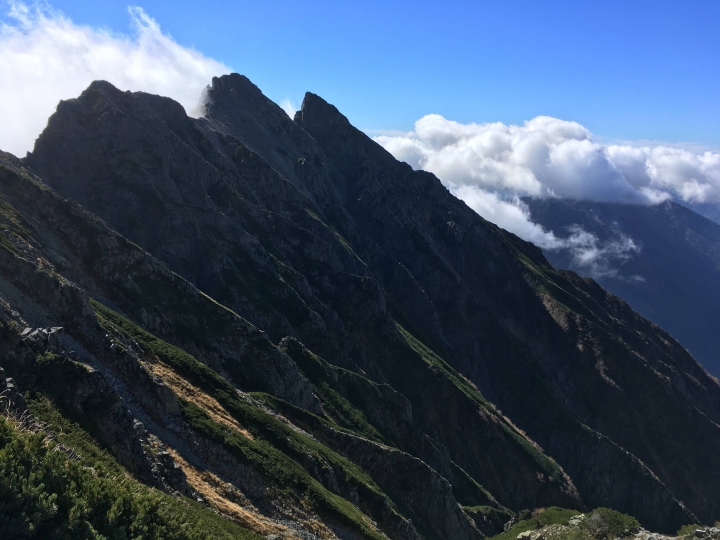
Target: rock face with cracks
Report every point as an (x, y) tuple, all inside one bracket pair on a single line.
[(277, 318)]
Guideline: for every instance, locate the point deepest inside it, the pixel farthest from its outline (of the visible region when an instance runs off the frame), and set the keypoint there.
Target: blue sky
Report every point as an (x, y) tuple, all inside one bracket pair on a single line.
[(627, 70)]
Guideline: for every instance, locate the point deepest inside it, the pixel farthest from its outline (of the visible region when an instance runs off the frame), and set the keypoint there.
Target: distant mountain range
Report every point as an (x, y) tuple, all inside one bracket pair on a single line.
[(708, 210), (273, 321), (674, 278)]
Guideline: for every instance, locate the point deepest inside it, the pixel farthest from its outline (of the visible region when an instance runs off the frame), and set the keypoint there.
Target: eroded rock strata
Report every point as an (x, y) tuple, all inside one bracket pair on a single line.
[(275, 317)]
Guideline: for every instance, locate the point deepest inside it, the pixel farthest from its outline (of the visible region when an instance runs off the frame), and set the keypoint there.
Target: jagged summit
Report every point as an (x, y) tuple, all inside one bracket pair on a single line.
[(104, 91), (234, 93), (237, 108), (104, 87), (234, 82), (315, 111), (374, 325)]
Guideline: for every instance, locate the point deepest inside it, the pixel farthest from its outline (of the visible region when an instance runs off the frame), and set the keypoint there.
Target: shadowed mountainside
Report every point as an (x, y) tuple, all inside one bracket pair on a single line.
[(285, 304), (678, 263)]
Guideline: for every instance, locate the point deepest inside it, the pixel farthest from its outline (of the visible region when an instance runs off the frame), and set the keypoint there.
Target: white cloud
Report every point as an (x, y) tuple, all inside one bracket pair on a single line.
[(512, 215), (548, 157), (588, 254), (45, 57), (490, 166), (599, 259)]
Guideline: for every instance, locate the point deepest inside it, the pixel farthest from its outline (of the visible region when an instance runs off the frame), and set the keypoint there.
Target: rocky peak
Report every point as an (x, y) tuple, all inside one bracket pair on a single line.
[(237, 89), (396, 289), (362, 165), (74, 154), (236, 107), (316, 114), (102, 96)]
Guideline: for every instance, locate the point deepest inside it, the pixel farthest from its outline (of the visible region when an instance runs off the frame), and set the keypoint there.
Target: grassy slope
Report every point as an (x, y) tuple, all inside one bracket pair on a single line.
[(45, 494), (347, 397), (543, 463), (276, 451)]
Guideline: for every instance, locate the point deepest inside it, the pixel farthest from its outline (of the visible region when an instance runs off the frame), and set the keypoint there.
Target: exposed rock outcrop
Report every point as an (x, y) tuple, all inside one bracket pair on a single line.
[(330, 336)]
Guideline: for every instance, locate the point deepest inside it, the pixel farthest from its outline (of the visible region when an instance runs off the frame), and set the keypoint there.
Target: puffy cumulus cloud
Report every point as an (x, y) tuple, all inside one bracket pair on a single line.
[(490, 166), (45, 57), (548, 157), (663, 171), (545, 157)]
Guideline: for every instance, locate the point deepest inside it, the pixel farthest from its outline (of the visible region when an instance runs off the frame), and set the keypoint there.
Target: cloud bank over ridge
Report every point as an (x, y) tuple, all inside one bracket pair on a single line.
[(491, 166), (45, 57), (548, 157)]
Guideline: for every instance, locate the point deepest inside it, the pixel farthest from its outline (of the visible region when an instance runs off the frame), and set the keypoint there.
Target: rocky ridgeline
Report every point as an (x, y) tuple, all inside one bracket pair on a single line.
[(276, 317)]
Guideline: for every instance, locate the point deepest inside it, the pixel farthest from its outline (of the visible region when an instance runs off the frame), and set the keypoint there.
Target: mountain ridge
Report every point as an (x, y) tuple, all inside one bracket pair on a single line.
[(342, 271)]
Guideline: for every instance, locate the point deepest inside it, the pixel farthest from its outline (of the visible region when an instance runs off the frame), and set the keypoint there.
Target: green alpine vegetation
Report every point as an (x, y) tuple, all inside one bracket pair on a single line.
[(45, 493), (600, 524), (276, 448)]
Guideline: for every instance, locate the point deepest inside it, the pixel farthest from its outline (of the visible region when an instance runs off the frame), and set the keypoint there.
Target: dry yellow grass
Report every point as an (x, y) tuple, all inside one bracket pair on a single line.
[(187, 391), (209, 485), (211, 488)]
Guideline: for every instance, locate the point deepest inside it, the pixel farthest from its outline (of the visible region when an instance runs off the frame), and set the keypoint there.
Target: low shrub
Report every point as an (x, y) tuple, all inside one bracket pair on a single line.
[(548, 516), (607, 524), (45, 494), (687, 530)]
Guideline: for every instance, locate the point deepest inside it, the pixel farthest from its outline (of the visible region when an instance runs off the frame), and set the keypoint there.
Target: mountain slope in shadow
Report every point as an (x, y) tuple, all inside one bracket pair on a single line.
[(674, 280), (427, 357)]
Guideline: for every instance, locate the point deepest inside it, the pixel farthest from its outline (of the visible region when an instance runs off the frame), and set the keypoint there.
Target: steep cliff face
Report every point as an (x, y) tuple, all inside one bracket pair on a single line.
[(517, 327), (674, 278), (395, 353), (174, 419), (270, 253)]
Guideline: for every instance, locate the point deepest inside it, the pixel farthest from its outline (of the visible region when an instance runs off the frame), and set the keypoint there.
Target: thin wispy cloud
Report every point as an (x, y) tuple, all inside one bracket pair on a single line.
[(587, 253), (46, 57), (289, 107)]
